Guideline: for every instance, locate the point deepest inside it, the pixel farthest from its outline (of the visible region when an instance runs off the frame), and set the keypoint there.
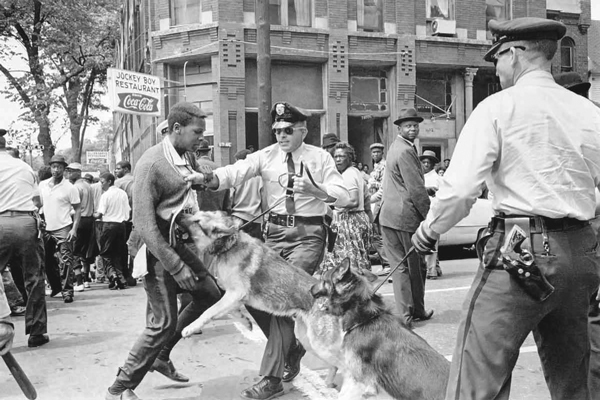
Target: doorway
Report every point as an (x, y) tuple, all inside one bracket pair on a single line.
[(363, 131)]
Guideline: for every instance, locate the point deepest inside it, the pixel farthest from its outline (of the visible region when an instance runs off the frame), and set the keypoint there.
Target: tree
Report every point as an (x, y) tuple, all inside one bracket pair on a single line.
[(68, 47)]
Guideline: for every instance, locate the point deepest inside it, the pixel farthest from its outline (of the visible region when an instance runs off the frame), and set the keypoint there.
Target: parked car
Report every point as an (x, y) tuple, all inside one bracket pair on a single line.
[(465, 232)]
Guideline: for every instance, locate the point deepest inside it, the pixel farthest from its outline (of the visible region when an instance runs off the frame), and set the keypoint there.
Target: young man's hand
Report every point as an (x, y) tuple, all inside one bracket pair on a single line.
[(185, 278)]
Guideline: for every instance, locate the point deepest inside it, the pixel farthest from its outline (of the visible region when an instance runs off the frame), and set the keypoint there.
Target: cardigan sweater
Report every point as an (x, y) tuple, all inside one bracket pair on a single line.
[(158, 190)]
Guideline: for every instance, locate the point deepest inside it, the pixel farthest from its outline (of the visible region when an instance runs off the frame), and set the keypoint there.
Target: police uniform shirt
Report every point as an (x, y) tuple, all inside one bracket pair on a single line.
[(18, 184), (535, 144), (270, 163)]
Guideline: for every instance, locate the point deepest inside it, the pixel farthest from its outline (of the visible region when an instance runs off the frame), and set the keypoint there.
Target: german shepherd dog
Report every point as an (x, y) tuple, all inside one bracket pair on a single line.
[(378, 351), (252, 274)]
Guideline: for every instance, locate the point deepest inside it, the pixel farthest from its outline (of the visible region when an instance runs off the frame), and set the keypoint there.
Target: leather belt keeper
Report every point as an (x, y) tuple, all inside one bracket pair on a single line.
[(538, 224), (293, 220)]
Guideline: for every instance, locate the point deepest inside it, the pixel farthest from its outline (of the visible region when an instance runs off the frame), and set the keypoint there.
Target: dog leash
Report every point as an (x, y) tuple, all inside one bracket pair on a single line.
[(278, 202), (410, 251)]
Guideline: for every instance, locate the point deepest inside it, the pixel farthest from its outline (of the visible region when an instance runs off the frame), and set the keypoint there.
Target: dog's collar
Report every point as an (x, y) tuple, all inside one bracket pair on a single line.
[(360, 324)]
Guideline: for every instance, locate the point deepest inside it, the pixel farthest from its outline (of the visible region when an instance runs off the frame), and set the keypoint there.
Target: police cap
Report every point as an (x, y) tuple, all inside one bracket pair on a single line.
[(285, 114), (528, 28)]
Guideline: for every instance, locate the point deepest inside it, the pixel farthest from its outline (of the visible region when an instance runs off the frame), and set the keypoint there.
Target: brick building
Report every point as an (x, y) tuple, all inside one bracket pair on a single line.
[(353, 63)]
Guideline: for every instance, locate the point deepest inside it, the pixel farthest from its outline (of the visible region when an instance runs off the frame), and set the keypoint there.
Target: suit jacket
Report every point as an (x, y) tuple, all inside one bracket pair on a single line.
[(405, 201)]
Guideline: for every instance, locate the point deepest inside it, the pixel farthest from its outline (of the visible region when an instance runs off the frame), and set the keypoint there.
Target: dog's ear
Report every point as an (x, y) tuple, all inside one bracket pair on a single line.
[(342, 270)]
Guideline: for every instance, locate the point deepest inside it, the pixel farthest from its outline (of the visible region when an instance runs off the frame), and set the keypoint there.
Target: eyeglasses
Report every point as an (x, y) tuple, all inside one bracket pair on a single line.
[(288, 131), (496, 56)]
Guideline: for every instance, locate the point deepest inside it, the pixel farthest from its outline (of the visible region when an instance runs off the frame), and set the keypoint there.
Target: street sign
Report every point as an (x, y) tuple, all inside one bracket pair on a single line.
[(97, 157), (134, 93)]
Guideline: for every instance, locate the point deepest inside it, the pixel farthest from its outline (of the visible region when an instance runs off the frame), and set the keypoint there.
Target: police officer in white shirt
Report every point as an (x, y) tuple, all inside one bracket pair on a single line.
[(537, 147)]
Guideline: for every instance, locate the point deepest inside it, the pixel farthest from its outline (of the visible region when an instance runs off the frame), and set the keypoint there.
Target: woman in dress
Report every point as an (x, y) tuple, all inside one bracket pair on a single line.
[(353, 223)]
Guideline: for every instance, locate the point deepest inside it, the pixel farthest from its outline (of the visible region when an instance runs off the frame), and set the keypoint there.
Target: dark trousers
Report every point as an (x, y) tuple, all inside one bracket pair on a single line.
[(162, 321), (498, 316), (409, 278), (303, 246), (594, 321), (51, 266), (19, 244), (112, 243), (65, 259)]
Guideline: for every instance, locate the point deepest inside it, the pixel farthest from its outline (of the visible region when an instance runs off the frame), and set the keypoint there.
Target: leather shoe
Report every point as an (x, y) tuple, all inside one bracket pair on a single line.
[(168, 369), (126, 395), (264, 390), (37, 340), (292, 366), (428, 315)]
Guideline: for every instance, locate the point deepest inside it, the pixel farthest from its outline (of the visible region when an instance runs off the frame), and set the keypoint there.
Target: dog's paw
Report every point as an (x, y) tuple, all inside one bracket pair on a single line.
[(189, 331)]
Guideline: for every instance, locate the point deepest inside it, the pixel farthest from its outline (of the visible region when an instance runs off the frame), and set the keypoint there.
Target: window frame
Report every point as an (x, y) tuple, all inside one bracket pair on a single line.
[(173, 14), (451, 10), (360, 5), (567, 43), (284, 13)]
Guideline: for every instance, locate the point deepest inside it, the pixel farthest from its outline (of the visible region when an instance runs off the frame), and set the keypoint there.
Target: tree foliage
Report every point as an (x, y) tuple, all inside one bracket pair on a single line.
[(68, 46)]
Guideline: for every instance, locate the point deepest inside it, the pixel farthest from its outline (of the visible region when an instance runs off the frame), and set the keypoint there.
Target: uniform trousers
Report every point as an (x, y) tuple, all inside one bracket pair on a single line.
[(594, 320), (65, 258), (498, 315), (409, 278), (162, 321), (20, 244), (303, 246)]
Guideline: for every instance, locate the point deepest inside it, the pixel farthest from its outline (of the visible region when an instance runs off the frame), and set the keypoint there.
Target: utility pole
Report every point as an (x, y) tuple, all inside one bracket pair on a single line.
[(263, 41)]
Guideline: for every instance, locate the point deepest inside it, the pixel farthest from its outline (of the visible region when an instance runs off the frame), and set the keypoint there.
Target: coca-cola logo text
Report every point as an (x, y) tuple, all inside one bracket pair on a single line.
[(138, 102)]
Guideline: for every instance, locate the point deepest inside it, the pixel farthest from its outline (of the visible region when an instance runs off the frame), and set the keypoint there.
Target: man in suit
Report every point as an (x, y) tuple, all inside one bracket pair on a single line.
[(405, 204)]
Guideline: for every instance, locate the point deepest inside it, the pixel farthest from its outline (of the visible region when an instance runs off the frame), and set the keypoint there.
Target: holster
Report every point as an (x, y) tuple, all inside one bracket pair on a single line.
[(518, 260), (331, 234)]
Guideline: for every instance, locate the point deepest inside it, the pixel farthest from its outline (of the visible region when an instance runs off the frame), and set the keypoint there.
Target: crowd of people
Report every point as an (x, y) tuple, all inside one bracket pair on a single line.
[(317, 206)]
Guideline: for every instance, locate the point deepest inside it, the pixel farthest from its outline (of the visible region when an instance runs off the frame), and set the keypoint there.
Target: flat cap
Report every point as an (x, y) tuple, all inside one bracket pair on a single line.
[(75, 166), (377, 146), (163, 127), (285, 114), (527, 28)]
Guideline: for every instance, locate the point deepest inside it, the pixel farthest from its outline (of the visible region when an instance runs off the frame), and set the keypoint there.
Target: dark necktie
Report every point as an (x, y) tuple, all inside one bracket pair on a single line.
[(289, 200)]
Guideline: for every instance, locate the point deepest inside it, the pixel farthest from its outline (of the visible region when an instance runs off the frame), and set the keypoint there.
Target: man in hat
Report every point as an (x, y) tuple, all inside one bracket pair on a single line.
[(573, 82), (375, 188), (549, 195), (429, 160), (83, 246), (296, 226), (124, 181), (204, 150), (59, 196), (20, 244), (329, 142), (405, 204)]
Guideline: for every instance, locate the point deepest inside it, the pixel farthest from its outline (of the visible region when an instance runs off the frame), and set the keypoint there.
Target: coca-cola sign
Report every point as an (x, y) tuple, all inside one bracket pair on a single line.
[(138, 103), (131, 92)]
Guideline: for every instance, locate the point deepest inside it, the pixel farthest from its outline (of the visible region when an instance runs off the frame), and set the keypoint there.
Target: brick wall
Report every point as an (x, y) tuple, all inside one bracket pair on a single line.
[(321, 8), (230, 11), (405, 16), (389, 11), (470, 15), (352, 9), (249, 5)]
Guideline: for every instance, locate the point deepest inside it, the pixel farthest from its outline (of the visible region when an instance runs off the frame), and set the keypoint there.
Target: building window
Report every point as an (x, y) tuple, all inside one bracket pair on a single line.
[(368, 91), (207, 107), (185, 12), (370, 15), (567, 52), (290, 12), (499, 10), (440, 9), (434, 93)]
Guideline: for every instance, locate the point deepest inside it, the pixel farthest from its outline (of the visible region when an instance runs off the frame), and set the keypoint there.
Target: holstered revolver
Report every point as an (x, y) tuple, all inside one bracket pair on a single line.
[(520, 263)]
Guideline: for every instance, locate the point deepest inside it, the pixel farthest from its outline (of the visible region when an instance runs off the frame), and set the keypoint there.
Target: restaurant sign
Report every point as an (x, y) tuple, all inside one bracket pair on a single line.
[(134, 93)]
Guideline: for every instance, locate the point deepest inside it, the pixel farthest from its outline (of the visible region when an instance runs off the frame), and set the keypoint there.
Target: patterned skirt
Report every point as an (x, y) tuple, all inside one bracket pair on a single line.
[(354, 232)]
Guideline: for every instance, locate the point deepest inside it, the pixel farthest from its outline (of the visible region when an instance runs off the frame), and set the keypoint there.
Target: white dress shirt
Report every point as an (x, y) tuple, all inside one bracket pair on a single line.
[(271, 164), (535, 144)]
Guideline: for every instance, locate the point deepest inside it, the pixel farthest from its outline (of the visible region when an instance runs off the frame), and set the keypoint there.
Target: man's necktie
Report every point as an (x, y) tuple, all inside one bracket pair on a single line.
[(289, 200)]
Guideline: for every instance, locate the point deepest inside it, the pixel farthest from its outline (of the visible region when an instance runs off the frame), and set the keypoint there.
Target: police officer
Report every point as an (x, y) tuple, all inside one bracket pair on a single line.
[(20, 241), (552, 188), (296, 227)]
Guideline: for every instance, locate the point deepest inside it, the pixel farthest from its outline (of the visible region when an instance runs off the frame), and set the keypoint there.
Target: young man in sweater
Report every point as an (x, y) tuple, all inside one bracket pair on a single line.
[(159, 191)]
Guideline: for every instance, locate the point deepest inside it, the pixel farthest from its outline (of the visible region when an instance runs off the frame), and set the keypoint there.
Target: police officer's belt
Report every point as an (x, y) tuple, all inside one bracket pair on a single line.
[(293, 220), (538, 224)]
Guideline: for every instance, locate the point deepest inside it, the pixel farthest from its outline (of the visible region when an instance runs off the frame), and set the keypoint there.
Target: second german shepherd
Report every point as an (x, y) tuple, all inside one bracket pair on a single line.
[(378, 350)]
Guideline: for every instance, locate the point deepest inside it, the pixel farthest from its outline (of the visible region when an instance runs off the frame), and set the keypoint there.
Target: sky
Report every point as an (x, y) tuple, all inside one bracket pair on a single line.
[(10, 111)]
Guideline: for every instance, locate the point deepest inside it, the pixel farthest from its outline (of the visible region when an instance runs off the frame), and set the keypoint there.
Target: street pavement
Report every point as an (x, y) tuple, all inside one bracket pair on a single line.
[(90, 338)]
